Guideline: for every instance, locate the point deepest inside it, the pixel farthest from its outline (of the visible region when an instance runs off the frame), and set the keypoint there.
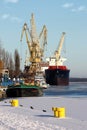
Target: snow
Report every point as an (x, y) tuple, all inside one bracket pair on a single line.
[(35, 113)]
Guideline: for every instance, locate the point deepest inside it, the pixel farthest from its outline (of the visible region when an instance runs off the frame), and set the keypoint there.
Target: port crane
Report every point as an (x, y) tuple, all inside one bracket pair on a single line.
[(36, 49), (57, 60), (57, 53)]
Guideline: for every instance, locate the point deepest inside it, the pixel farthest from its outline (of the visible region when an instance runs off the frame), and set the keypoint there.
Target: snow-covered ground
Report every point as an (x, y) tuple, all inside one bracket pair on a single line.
[(35, 113)]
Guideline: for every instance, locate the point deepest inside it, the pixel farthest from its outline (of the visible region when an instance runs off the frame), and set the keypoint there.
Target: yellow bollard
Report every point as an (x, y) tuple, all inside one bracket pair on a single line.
[(55, 111), (14, 103), (53, 108), (61, 112)]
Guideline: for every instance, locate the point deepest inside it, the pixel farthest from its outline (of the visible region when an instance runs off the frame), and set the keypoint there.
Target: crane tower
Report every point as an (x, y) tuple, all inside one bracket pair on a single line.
[(57, 60), (35, 46)]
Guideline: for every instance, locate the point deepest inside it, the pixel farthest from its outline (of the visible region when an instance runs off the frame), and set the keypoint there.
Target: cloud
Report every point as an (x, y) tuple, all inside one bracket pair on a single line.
[(79, 9), (11, 18), (15, 19), (73, 8), (67, 5), (11, 1), (5, 16)]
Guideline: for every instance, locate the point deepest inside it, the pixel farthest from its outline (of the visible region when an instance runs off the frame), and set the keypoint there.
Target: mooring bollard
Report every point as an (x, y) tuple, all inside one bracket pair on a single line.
[(14, 103), (53, 108), (59, 112), (55, 111)]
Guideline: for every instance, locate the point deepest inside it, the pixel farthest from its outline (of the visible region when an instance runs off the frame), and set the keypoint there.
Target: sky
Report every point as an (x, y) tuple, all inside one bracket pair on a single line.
[(59, 16)]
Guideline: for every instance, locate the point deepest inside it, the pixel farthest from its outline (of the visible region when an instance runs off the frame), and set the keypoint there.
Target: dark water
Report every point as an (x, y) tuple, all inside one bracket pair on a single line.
[(75, 89)]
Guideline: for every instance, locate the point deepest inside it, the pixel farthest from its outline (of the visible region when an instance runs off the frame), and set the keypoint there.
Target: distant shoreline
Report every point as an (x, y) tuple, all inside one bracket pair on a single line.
[(78, 79)]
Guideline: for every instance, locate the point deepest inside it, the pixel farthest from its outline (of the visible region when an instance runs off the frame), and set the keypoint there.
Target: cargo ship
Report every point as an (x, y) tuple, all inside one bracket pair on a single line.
[(57, 73), (57, 76)]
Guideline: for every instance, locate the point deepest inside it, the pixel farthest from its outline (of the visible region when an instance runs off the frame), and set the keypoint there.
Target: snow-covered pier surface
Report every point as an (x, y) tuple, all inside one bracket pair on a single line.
[(35, 113)]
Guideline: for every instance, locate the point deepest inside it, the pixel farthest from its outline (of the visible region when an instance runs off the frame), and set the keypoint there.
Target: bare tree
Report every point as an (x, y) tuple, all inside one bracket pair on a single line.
[(11, 66), (6, 61), (0, 51), (17, 63)]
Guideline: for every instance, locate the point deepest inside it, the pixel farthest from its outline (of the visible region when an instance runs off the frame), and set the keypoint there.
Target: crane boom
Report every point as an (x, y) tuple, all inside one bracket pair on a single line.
[(58, 51), (44, 34), (33, 33), (26, 31)]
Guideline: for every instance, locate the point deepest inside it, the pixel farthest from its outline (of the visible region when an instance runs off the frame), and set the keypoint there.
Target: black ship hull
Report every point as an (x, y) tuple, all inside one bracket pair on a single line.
[(57, 76)]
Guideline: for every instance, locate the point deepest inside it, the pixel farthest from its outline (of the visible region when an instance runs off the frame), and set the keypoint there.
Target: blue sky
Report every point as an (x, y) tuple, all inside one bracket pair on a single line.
[(59, 16)]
